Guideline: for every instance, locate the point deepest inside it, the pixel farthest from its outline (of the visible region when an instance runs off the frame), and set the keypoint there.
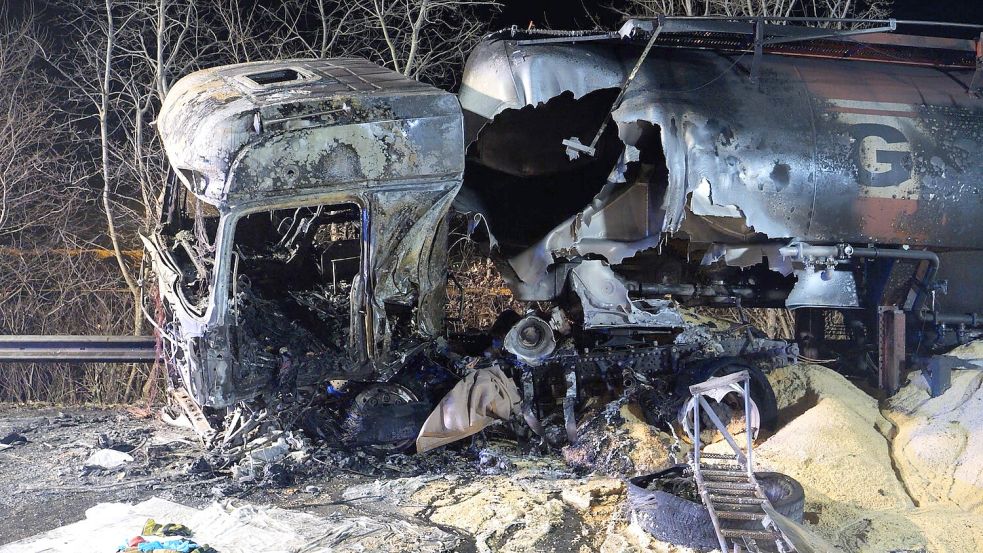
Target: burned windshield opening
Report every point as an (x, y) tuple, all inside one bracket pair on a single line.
[(295, 284), (190, 227)]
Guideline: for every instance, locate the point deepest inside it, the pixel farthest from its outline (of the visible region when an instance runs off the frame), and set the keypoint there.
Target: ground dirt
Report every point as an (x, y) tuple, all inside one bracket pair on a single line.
[(902, 476), (490, 496)]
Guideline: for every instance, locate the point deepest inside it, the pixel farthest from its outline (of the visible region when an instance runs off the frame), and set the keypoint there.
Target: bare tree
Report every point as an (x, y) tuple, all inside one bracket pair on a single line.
[(90, 71), (25, 151), (423, 39), (426, 40), (52, 279)]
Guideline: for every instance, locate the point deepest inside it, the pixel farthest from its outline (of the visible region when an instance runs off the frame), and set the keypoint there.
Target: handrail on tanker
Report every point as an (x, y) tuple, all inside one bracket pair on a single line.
[(750, 18), (763, 32)]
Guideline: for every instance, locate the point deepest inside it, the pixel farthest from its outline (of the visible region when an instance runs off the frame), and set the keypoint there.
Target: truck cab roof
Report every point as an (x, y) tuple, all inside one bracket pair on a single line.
[(255, 131)]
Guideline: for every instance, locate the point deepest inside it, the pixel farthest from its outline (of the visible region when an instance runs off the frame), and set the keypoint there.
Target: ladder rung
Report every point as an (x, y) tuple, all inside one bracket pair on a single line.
[(751, 534), (718, 474), (733, 467), (741, 515), (737, 494), (739, 509), (718, 456), (730, 503), (715, 486), (726, 468), (732, 479), (734, 500)]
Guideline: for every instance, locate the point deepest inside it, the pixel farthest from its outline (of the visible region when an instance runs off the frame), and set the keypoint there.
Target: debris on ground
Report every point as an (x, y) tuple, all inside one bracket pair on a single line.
[(152, 528), (869, 484), (535, 507), (11, 439), (107, 459), (182, 545), (616, 440), (236, 528)]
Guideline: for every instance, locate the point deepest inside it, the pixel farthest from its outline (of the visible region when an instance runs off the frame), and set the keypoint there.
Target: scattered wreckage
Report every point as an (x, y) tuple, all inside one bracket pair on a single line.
[(303, 242)]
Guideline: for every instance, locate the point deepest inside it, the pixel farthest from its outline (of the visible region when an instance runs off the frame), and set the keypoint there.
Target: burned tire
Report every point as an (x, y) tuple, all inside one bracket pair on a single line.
[(784, 492), (681, 521), (668, 517)]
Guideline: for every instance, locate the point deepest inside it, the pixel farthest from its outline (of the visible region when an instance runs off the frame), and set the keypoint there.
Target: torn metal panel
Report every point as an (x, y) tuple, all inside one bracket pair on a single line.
[(748, 255), (409, 257), (815, 148), (500, 75), (616, 224), (701, 203)]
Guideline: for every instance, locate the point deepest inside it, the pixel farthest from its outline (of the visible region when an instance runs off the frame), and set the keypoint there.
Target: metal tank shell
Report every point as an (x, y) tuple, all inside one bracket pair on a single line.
[(816, 149)]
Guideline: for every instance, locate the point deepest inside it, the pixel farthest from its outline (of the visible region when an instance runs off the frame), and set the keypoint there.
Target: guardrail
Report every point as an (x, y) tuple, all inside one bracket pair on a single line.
[(77, 349)]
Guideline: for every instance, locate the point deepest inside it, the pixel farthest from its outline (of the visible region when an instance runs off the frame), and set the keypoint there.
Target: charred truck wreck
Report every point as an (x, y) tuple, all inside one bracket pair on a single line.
[(611, 177)]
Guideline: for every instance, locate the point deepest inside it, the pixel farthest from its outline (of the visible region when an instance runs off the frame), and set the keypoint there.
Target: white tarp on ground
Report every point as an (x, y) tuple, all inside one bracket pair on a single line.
[(238, 529)]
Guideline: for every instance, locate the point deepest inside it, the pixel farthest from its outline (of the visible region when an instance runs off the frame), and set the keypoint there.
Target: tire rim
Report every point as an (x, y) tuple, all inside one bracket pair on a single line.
[(732, 404), (384, 395)]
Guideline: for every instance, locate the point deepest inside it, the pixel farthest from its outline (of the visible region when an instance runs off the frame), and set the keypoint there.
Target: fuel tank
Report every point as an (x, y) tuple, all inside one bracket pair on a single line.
[(861, 139)]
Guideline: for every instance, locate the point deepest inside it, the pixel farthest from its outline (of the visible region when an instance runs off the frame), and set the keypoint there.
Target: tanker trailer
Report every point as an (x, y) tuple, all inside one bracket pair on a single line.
[(735, 162)]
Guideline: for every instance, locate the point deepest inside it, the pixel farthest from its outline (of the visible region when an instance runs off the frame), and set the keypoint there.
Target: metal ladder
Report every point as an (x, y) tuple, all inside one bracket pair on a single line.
[(726, 482)]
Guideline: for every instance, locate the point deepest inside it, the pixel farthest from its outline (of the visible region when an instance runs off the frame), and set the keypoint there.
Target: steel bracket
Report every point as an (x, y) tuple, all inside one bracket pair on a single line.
[(759, 43), (976, 85)]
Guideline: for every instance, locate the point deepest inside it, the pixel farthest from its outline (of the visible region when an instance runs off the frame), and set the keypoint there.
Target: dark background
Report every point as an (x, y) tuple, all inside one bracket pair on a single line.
[(578, 13)]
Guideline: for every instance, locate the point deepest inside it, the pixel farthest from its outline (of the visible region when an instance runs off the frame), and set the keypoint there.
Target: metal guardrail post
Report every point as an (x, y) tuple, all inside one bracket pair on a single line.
[(759, 42), (976, 85)]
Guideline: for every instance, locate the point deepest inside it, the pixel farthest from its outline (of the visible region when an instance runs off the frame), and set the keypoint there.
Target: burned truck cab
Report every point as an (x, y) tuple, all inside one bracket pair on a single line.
[(302, 234)]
